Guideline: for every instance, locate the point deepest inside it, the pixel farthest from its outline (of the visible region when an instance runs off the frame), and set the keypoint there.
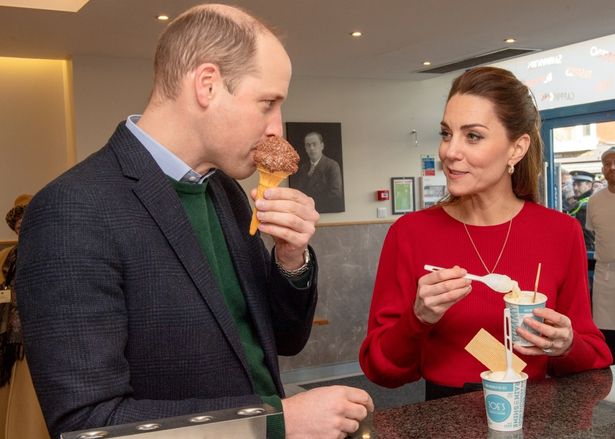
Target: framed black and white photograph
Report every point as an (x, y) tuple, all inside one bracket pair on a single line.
[(402, 191), (320, 173)]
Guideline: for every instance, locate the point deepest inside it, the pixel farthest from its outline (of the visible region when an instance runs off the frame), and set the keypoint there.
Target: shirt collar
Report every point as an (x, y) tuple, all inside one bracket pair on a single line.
[(170, 164), (316, 162)]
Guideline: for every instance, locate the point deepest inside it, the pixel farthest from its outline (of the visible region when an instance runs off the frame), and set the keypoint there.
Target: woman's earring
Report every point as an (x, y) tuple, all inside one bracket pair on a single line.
[(511, 169)]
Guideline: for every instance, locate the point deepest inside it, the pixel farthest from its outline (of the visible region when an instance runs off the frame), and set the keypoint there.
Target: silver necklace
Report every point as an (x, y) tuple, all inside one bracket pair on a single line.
[(478, 253)]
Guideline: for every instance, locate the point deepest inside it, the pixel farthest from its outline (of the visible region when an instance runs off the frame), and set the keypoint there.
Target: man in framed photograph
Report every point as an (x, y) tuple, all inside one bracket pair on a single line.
[(320, 176)]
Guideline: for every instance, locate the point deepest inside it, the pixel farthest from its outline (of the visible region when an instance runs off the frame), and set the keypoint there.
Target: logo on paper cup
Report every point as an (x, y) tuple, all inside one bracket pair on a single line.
[(498, 408)]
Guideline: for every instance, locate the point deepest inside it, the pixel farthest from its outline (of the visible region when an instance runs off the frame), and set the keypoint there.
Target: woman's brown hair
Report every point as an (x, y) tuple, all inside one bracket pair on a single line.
[(516, 110)]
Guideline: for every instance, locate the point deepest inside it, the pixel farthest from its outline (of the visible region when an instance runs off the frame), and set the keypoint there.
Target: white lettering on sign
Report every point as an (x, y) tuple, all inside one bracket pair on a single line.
[(548, 61), (602, 53), (578, 72), (597, 51)]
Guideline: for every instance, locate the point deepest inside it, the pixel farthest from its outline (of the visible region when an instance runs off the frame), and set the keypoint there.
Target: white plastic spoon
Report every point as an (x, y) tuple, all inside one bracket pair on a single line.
[(510, 374), (497, 282)]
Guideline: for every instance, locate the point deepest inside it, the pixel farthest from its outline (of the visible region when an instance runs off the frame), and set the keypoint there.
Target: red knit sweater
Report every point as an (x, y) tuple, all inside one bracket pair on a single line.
[(399, 348)]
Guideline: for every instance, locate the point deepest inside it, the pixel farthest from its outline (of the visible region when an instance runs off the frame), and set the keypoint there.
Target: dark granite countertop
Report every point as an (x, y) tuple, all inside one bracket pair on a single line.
[(568, 407)]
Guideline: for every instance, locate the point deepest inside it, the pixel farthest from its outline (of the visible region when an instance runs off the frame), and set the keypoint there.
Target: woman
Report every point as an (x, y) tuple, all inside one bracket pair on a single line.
[(420, 322)]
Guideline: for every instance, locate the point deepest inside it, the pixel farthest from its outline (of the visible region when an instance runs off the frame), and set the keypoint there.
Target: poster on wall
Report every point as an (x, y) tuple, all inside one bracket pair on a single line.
[(432, 189), (402, 189), (320, 173), (428, 164)]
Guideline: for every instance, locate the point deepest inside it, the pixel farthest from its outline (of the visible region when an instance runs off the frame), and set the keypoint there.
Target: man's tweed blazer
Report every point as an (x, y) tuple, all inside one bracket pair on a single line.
[(122, 317)]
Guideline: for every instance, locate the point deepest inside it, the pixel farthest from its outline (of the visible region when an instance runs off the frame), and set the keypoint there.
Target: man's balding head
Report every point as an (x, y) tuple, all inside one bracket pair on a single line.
[(218, 34)]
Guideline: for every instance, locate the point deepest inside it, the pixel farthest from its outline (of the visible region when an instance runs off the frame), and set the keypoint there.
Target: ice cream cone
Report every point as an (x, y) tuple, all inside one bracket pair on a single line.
[(266, 180)]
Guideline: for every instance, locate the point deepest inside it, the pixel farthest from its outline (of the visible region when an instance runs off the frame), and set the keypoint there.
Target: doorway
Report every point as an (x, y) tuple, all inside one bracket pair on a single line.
[(574, 139)]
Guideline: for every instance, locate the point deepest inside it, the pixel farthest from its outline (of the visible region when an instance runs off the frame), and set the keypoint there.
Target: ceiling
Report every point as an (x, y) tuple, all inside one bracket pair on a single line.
[(398, 35)]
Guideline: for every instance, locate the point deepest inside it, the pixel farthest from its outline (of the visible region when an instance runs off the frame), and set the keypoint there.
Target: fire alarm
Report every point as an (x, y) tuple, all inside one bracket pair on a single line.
[(382, 195)]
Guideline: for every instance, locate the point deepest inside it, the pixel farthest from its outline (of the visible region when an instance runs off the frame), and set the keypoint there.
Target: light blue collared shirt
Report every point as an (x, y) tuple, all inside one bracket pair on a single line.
[(170, 164)]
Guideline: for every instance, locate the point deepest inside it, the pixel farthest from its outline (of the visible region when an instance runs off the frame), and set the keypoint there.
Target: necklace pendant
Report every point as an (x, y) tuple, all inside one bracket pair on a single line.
[(478, 253)]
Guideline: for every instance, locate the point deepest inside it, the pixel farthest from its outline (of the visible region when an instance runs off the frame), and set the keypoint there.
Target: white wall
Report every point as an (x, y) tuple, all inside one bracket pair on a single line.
[(376, 118), (34, 143), (106, 91)]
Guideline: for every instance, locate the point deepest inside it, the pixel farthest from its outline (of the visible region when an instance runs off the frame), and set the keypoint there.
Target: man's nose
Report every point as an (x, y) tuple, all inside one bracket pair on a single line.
[(274, 124)]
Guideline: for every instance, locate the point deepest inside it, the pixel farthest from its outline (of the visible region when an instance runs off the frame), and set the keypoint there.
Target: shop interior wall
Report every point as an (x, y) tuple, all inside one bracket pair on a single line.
[(376, 118), (35, 128)]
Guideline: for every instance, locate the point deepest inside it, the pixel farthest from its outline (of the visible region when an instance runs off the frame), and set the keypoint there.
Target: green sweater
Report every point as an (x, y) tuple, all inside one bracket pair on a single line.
[(202, 214)]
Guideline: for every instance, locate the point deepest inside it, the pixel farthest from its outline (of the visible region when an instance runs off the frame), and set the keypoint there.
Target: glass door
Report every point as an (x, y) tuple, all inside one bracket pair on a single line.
[(574, 139), (576, 152)]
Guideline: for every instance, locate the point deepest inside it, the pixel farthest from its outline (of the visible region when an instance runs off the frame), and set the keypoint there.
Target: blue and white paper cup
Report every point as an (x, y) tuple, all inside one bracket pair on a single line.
[(504, 400), (520, 308)]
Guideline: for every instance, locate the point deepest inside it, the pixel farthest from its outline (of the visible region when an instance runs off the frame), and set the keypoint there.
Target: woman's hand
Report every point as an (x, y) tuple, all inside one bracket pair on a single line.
[(438, 291), (555, 337)]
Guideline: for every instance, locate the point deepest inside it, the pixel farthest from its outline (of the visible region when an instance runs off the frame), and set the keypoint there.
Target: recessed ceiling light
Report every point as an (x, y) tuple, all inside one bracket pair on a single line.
[(510, 40), (426, 63), (163, 17), (356, 34)]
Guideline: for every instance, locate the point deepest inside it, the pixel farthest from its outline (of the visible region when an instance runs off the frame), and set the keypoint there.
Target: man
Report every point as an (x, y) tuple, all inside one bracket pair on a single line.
[(582, 185), (601, 220), (568, 201), (321, 178), (144, 296)]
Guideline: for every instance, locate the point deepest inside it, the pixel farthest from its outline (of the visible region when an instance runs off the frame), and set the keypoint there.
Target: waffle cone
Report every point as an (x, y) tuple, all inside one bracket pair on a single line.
[(266, 180)]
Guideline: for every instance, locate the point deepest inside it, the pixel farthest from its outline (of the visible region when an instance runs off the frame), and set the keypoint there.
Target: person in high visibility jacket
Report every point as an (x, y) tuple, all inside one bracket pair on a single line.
[(582, 182)]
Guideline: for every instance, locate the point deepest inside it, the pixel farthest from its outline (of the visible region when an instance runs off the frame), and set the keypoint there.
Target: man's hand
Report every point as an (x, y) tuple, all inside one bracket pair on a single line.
[(326, 412), (290, 218)]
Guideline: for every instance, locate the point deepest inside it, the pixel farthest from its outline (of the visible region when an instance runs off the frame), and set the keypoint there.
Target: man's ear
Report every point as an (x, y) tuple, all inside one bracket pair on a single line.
[(206, 80)]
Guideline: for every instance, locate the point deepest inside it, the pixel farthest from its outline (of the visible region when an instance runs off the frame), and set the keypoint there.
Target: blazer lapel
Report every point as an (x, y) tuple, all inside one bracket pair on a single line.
[(164, 206)]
